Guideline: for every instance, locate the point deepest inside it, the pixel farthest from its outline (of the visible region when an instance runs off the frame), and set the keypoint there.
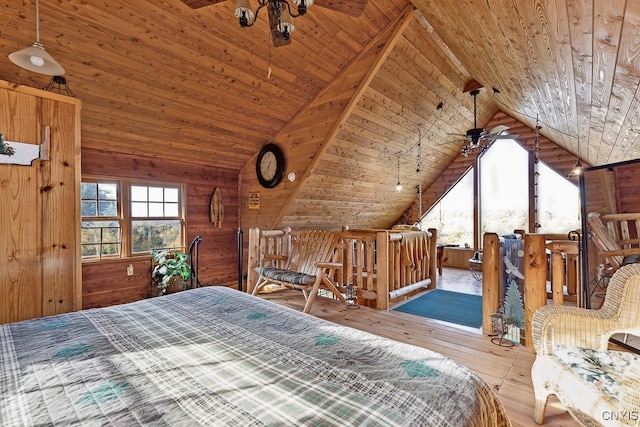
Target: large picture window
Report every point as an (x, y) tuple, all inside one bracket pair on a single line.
[(503, 199), (122, 218)]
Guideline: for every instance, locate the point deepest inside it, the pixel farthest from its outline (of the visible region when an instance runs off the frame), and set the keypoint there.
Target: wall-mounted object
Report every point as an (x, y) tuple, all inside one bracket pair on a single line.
[(254, 200), (270, 165), (216, 208), (20, 153)]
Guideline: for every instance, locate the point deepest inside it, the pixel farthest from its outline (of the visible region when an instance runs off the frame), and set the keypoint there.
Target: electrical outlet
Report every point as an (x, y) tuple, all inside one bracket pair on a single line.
[(130, 270)]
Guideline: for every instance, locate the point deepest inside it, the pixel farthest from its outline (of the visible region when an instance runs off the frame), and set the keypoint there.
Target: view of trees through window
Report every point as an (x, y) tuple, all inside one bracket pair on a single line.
[(148, 215), (101, 232), (504, 199)]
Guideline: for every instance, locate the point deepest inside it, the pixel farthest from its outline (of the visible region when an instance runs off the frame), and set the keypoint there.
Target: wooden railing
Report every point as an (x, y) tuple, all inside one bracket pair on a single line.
[(562, 265), (386, 264), (382, 264)]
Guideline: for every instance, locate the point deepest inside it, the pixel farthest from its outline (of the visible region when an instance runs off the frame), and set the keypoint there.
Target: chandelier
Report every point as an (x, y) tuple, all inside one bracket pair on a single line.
[(280, 16)]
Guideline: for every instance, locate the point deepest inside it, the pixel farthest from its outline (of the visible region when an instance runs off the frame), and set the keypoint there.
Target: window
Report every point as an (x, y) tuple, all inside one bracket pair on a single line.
[(122, 218), (155, 219), (504, 183), (101, 231), (452, 216), (503, 199)]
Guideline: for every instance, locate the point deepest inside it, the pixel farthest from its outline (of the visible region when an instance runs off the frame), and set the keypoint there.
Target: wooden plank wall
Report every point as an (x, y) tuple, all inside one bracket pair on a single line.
[(39, 267), (627, 183), (106, 282)]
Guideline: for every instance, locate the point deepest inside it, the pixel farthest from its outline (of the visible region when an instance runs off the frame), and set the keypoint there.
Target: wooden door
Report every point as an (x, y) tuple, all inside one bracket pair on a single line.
[(40, 270), (20, 275)]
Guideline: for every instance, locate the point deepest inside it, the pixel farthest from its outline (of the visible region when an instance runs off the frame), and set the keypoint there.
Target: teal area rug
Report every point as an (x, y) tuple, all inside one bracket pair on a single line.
[(453, 307)]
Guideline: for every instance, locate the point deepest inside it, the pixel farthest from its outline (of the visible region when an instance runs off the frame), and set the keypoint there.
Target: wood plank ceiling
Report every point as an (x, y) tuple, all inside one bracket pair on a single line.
[(349, 98)]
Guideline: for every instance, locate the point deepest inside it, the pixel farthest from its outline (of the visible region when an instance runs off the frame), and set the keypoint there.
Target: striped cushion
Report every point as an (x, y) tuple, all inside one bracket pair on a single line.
[(287, 276)]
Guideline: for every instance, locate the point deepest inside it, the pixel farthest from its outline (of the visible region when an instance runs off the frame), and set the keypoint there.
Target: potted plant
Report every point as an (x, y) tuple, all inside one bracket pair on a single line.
[(171, 269)]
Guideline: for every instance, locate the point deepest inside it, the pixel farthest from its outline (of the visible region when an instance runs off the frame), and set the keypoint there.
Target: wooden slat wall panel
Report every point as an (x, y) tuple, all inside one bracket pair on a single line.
[(59, 208), (20, 283), (106, 283), (39, 268)]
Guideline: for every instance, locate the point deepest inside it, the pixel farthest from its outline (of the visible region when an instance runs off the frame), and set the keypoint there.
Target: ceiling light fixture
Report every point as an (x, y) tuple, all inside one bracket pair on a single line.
[(35, 58), (280, 16), (398, 185), (59, 84), (577, 168)]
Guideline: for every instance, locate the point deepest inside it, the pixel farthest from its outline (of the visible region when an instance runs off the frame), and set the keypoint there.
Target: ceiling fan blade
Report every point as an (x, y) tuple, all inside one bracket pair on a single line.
[(276, 35), (501, 136), (506, 136), (498, 129), (348, 7), (197, 4)]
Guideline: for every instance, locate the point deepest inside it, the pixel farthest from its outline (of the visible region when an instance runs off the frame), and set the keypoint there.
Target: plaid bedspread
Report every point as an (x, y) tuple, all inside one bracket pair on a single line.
[(216, 356)]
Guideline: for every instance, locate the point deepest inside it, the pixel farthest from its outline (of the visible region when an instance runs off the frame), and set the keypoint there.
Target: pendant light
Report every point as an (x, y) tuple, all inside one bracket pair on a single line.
[(35, 58), (398, 185)]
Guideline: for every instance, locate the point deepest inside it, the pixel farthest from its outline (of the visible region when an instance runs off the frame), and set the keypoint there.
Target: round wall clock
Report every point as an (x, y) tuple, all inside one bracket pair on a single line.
[(270, 166)]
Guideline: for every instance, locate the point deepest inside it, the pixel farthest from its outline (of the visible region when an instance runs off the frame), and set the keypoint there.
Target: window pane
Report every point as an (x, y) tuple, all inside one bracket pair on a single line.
[(558, 202), (155, 209), (147, 235), (100, 238), (90, 251), (88, 208), (156, 194), (170, 209), (107, 191), (108, 208), (89, 190), (139, 209), (138, 194), (171, 195), (504, 195), (452, 217)]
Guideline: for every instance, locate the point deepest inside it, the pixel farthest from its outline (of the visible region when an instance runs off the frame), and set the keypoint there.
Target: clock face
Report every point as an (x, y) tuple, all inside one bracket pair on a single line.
[(270, 166)]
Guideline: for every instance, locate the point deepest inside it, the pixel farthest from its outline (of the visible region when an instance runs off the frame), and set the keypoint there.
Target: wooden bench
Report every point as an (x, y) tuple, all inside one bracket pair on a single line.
[(311, 263)]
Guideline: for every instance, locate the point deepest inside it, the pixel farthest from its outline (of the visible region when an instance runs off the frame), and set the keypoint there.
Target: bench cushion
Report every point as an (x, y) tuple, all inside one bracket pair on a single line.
[(602, 369), (288, 276)]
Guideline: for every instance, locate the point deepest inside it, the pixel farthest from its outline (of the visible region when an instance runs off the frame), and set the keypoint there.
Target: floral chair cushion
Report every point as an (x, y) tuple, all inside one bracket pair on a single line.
[(602, 369)]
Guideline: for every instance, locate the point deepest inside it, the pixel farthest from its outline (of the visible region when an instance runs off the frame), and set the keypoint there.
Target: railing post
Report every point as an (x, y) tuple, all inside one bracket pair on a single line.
[(535, 280), (382, 253), (491, 263), (253, 257), (432, 257)]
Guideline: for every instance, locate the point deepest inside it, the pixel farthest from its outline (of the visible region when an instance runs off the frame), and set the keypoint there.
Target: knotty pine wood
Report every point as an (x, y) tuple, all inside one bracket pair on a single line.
[(105, 282), (39, 214), (457, 257), (163, 80), (506, 370)]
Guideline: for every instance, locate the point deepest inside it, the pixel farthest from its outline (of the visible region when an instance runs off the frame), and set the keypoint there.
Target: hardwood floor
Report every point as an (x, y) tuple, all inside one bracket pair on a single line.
[(507, 370)]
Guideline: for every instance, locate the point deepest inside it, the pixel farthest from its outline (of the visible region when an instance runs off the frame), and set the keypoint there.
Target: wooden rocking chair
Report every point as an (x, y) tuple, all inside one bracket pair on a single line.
[(310, 264), (616, 237)]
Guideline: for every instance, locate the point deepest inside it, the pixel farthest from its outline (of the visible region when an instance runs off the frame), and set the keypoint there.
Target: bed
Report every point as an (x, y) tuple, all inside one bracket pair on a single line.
[(217, 356)]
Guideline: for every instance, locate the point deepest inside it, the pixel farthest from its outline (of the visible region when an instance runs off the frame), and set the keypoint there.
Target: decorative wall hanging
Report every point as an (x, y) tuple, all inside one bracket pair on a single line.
[(254, 200), (216, 208), (21, 153)]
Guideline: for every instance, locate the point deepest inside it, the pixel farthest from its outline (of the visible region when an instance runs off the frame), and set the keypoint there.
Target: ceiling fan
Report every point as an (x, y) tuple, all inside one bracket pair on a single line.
[(474, 136), (280, 13)]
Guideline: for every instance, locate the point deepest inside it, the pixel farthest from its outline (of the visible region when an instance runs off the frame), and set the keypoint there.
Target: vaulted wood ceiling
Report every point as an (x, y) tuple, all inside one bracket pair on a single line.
[(348, 97)]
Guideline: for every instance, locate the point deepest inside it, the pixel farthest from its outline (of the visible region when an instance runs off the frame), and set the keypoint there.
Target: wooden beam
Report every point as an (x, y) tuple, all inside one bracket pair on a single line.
[(389, 36)]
